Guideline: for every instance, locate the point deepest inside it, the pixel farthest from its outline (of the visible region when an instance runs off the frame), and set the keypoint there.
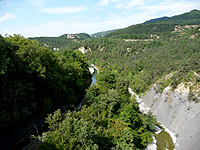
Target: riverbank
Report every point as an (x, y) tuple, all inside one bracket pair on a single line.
[(92, 68)]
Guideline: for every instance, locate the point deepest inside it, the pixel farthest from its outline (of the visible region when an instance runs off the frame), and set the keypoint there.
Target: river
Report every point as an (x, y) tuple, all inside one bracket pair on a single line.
[(94, 76)]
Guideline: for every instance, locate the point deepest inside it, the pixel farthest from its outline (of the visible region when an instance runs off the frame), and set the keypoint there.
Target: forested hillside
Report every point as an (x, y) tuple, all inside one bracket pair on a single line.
[(57, 43), (144, 62), (102, 34), (34, 81), (157, 27)]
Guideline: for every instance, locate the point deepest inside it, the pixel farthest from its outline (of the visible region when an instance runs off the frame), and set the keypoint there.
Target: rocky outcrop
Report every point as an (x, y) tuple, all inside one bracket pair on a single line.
[(91, 69), (84, 50), (177, 113)]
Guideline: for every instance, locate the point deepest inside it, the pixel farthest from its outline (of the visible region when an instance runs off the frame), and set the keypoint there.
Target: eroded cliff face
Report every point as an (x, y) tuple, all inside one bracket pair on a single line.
[(177, 113)]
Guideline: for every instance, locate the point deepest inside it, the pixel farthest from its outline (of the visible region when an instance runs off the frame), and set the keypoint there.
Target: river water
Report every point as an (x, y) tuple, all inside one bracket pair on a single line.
[(94, 77)]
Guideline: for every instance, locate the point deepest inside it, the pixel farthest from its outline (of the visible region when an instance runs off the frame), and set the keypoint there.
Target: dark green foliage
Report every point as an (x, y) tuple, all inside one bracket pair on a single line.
[(156, 20), (34, 81)]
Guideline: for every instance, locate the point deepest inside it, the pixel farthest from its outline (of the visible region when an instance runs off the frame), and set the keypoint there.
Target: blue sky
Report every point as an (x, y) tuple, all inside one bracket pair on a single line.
[(56, 17)]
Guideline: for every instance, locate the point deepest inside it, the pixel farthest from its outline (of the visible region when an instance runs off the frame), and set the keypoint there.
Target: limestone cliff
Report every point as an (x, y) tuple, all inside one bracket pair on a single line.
[(177, 113)]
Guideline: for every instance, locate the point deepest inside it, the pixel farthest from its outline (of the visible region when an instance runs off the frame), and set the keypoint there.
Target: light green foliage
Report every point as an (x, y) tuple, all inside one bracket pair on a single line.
[(74, 131), (109, 120), (52, 120), (129, 114)]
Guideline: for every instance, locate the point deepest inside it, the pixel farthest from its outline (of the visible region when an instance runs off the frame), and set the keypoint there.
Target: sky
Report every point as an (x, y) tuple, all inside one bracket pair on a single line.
[(32, 18)]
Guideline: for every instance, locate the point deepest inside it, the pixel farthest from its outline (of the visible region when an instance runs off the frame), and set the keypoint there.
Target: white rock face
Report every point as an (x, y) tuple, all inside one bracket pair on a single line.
[(152, 146), (177, 113), (82, 49), (91, 69), (143, 108)]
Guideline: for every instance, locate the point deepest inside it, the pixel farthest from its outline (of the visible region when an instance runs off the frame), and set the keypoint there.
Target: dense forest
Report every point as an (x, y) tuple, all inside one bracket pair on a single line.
[(34, 81), (109, 119), (144, 62), (102, 34)]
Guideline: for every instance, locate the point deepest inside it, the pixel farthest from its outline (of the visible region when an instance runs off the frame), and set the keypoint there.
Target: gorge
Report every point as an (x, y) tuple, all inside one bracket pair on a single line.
[(144, 94)]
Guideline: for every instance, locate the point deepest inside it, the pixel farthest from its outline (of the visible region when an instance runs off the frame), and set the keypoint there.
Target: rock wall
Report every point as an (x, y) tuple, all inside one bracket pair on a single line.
[(177, 113)]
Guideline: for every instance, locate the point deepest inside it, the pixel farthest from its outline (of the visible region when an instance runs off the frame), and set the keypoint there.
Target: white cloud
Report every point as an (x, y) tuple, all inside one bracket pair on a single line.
[(63, 10), (7, 17), (130, 4), (121, 3), (37, 3), (9, 4), (170, 7), (105, 2), (102, 3)]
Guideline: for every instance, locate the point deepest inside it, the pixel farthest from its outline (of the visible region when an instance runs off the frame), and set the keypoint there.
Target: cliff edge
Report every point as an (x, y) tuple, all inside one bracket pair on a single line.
[(176, 112)]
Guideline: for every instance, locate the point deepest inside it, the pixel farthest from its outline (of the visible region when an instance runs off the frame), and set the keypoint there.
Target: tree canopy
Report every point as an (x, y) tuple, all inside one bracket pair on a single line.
[(34, 81)]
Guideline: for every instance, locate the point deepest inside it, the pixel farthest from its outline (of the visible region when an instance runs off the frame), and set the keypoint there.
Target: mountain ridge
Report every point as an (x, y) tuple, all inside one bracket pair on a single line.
[(103, 33), (157, 25)]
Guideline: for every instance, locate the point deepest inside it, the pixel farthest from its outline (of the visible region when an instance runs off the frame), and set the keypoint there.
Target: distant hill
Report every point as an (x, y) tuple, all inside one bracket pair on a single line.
[(78, 36), (156, 26), (103, 33), (190, 18), (156, 20), (56, 43)]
